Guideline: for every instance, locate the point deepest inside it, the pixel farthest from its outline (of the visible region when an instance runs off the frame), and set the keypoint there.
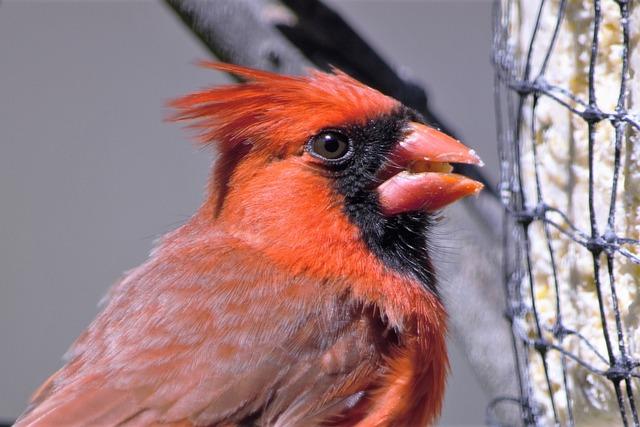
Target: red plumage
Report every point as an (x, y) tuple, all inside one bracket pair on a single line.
[(267, 306)]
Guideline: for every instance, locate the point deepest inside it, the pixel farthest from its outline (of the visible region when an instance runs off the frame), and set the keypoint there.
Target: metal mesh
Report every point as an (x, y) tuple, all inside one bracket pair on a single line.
[(518, 89)]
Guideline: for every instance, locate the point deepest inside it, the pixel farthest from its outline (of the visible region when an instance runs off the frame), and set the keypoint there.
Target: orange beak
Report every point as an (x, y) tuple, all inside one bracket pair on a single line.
[(418, 176)]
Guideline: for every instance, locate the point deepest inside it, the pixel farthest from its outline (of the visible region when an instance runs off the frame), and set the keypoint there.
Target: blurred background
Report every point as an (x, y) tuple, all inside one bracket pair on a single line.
[(90, 174)]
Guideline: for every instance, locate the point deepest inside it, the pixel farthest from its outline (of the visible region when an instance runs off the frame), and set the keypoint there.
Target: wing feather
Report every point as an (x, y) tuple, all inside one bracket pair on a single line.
[(207, 333)]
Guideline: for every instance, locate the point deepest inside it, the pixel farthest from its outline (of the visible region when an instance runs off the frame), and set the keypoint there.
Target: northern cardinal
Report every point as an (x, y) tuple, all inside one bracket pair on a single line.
[(301, 292)]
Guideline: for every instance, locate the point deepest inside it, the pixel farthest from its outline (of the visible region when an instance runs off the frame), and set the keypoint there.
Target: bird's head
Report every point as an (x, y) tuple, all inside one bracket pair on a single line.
[(320, 154)]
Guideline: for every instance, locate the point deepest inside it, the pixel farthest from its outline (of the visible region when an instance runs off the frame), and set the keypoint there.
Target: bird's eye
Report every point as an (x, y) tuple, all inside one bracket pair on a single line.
[(330, 145)]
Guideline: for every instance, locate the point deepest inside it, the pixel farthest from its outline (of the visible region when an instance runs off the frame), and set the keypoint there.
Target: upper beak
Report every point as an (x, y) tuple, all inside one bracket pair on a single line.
[(418, 175)]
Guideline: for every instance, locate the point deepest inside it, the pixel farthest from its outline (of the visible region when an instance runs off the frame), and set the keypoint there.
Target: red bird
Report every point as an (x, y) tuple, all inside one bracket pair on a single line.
[(301, 293)]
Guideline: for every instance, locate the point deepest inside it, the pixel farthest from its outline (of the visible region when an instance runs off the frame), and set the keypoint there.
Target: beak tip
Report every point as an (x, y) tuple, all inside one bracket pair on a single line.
[(469, 187), (476, 159), (429, 143), (478, 189)]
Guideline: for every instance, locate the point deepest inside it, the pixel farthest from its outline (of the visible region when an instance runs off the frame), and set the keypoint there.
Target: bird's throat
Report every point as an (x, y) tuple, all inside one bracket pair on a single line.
[(400, 242)]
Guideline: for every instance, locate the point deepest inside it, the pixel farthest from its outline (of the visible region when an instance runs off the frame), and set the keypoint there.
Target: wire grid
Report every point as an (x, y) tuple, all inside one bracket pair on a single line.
[(515, 85)]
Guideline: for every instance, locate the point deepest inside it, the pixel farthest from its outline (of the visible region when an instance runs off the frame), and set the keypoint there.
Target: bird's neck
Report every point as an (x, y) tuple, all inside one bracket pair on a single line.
[(330, 248), (290, 214)]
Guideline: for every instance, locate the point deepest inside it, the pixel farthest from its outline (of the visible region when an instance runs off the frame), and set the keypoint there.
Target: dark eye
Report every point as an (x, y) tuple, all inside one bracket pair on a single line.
[(330, 145)]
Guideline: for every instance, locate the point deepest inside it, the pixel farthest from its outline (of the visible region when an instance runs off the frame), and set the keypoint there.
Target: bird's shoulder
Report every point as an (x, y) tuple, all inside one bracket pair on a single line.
[(209, 329)]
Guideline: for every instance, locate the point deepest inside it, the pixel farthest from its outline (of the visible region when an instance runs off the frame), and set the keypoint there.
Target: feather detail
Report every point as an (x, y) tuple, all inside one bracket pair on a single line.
[(271, 111), (267, 306)]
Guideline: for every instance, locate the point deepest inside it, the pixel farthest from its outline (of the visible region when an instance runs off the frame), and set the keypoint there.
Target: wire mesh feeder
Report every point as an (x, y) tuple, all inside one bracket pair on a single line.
[(569, 142)]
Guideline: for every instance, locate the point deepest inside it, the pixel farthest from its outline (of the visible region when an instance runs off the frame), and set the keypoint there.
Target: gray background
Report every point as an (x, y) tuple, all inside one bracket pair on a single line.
[(90, 175)]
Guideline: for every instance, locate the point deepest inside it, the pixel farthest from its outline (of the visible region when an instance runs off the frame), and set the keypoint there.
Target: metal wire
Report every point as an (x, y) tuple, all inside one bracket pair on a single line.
[(516, 86)]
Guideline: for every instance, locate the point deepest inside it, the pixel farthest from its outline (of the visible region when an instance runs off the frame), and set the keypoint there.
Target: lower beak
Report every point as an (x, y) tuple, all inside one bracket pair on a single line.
[(418, 175)]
